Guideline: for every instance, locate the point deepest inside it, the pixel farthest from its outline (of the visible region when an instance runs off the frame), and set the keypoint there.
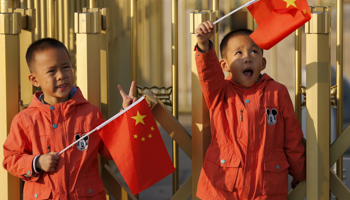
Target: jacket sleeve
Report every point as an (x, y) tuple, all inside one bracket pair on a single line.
[(102, 149), (18, 158), (210, 75), (293, 141)]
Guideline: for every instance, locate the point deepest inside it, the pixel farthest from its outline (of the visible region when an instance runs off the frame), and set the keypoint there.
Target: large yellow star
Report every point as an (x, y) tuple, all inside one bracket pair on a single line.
[(139, 118), (290, 3)]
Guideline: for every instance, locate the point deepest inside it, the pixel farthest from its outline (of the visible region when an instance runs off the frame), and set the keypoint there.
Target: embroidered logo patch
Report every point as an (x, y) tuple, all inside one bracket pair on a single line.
[(271, 116), (82, 145)]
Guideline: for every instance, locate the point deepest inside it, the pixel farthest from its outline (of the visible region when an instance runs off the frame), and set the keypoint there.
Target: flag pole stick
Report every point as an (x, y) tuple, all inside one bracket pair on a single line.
[(237, 9), (76, 142), (103, 124)]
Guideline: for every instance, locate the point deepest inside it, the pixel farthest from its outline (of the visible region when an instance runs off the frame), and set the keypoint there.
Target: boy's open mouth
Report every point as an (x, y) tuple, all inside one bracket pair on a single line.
[(248, 72)]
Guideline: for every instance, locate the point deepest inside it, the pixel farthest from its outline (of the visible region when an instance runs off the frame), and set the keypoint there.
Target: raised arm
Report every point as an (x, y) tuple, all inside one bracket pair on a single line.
[(210, 74)]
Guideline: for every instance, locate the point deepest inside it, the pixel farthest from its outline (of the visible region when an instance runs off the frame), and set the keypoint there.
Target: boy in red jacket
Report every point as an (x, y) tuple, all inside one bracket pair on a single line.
[(256, 137), (56, 117)]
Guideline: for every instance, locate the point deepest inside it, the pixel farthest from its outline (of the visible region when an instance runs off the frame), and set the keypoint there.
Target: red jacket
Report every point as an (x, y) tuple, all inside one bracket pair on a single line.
[(42, 128), (256, 137)]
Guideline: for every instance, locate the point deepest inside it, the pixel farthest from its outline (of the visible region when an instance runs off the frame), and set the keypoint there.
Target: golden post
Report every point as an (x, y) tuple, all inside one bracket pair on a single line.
[(318, 104), (9, 80)]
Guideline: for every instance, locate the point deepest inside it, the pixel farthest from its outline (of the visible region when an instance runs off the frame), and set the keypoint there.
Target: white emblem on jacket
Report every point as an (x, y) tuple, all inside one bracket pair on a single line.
[(82, 145), (271, 116)]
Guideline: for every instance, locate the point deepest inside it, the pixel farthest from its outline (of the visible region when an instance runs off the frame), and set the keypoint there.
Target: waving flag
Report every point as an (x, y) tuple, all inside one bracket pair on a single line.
[(133, 139), (277, 19)]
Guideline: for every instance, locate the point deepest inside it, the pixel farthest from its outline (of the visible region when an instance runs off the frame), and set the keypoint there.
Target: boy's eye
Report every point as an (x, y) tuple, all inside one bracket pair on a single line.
[(66, 67), (51, 71), (239, 52)]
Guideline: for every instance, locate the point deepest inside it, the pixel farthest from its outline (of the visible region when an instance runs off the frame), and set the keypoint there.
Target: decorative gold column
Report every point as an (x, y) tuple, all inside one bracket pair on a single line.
[(216, 36), (26, 37), (9, 69), (339, 65), (133, 16), (88, 29), (175, 83), (318, 104), (5, 5), (297, 53), (201, 135)]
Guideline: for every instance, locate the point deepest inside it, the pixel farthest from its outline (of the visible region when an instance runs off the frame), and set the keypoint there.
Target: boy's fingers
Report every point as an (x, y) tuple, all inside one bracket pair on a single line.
[(53, 153), (121, 91), (131, 92), (134, 99)]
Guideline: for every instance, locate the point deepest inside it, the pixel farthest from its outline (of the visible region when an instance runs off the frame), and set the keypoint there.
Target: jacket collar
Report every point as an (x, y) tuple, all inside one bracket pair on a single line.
[(76, 99), (257, 85)]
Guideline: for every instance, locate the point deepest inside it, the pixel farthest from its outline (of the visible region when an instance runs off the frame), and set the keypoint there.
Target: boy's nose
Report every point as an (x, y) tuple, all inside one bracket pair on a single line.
[(247, 59), (60, 75)]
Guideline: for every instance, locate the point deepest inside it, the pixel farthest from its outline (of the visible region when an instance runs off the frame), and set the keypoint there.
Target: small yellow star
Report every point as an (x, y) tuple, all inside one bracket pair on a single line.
[(139, 118), (143, 139), (290, 3), (152, 129), (135, 136), (149, 135), (304, 11)]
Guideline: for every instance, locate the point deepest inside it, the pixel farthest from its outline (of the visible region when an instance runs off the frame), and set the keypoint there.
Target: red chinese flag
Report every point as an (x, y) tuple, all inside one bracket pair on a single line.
[(277, 19), (134, 141)]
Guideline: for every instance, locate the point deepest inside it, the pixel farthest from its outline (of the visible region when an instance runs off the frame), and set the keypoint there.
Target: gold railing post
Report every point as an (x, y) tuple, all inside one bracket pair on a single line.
[(175, 83), (339, 55), (9, 69), (5, 5), (216, 35), (26, 37), (88, 28), (318, 104), (201, 135), (297, 53)]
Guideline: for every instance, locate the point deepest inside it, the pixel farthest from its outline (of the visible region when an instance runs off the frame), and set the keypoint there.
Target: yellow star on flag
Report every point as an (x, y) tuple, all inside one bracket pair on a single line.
[(290, 3), (149, 135), (139, 118), (143, 139), (135, 136), (152, 129)]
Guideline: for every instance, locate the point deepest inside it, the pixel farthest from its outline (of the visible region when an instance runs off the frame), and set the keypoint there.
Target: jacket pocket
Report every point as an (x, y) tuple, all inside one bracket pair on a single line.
[(33, 191), (221, 169), (90, 188), (276, 177)]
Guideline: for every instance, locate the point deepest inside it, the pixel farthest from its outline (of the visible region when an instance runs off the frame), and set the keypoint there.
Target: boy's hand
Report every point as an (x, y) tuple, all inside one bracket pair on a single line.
[(205, 30), (127, 99), (47, 162)]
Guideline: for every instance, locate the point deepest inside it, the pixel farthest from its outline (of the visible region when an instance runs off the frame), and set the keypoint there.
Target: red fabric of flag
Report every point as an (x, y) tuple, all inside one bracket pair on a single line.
[(277, 19), (137, 147)]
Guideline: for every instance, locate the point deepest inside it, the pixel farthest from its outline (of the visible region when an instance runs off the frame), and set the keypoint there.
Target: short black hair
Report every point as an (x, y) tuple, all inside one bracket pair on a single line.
[(228, 36), (42, 45)]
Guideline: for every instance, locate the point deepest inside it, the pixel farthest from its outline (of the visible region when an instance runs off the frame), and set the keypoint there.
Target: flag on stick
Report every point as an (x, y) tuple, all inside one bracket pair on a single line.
[(277, 19), (134, 141)]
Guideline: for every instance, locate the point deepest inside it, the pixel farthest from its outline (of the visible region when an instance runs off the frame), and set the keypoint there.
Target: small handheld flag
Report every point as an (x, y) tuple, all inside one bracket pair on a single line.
[(134, 141), (277, 19)]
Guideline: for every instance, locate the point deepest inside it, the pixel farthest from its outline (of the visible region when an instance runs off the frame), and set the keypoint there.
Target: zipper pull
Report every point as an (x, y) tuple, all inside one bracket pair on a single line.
[(241, 115)]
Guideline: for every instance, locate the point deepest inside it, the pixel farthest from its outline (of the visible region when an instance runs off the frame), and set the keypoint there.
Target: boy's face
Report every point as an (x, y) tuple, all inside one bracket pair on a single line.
[(243, 60), (52, 71)]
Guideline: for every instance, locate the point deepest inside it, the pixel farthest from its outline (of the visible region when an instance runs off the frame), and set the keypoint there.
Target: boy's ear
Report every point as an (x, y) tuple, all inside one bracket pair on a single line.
[(263, 63), (224, 65), (33, 80)]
